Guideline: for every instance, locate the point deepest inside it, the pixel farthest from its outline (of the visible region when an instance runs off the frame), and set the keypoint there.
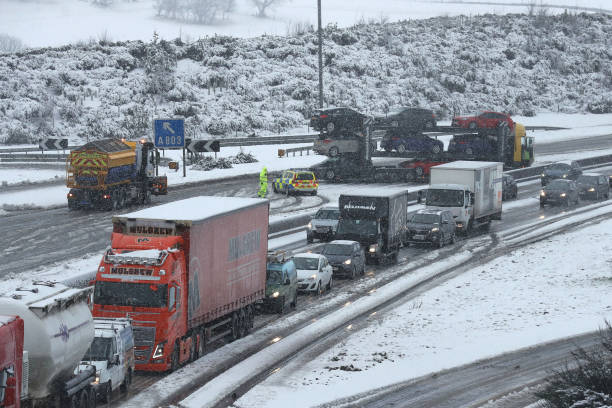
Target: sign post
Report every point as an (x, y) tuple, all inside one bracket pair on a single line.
[(170, 134)]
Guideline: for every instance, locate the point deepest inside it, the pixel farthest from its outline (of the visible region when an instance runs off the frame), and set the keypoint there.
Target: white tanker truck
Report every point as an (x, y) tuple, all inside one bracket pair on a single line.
[(58, 329)]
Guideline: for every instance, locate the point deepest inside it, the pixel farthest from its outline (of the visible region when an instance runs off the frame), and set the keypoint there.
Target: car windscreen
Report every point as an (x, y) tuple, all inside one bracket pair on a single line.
[(304, 176), (306, 263), (274, 274), (558, 185), (99, 350), (590, 180), (559, 167), (444, 198), (337, 249), (425, 218), (328, 214), (130, 294)]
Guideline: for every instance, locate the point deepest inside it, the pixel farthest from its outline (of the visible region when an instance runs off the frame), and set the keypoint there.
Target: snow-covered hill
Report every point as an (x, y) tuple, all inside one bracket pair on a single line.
[(227, 86)]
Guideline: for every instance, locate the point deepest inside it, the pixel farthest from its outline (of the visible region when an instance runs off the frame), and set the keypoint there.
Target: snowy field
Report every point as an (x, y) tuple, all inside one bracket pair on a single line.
[(524, 298), (582, 125), (57, 22)]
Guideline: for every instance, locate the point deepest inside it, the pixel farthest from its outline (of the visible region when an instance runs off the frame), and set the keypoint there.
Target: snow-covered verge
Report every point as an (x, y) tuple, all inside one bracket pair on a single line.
[(225, 86), (527, 297), (29, 176)]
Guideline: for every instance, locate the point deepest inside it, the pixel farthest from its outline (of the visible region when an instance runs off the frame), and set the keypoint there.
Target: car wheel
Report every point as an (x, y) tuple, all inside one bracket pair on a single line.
[(401, 148), (515, 195), (333, 152), (472, 125), (419, 171), (274, 188), (330, 174), (330, 283), (363, 269), (441, 243), (294, 303), (280, 308), (469, 151), (453, 238), (313, 192), (309, 238), (330, 127), (353, 273), (567, 202), (319, 289), (577, 202), (436, 149)]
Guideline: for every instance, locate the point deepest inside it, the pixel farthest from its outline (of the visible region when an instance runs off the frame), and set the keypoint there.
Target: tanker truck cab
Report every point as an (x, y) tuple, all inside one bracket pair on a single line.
[(112, 353), (456, 198), (146, 285)]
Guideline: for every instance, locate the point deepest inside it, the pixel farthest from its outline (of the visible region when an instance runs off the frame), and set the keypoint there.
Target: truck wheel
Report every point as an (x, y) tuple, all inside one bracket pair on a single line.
[(174, 358), (330, 127), (280, 307), (472, 125), (146, 198), (107, 393), (401, 148), (330, 174), (419, 171), (127, 381), (74, 401), (242, 323), (234, 335), (436, 149), (333, 152), (250, 317)]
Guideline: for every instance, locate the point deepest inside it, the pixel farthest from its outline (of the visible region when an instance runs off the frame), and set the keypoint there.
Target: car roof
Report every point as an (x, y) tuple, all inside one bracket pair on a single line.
[(307, 255), (343, 242), (568, 162), (593, 174)]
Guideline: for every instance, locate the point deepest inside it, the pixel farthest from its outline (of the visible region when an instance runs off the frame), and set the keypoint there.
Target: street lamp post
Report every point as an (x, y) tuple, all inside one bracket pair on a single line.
[(320, 56)]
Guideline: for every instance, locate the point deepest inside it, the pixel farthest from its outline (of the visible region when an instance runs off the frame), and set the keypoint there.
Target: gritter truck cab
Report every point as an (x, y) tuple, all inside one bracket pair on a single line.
[(111, 174), (471, 190), (376, 219), (187, 273)]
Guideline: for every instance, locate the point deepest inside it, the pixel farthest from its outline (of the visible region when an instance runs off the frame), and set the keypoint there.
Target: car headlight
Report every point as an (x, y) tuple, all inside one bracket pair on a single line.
[(565, 176), (563, 194), (543, 175), (313, 276), (159, 350), (542, 193), (275, 294), (592, 189), (435, 229), (310, 225), (373, 248), (347, 262)]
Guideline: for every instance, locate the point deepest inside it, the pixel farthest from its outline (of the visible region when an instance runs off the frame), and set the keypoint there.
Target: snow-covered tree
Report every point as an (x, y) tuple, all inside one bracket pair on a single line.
[(263, 5)]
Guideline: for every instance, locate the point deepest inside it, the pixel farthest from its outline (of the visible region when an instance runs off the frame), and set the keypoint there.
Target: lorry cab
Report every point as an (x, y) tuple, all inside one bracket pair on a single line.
[(456, 198), (112, 353), (281, 282)]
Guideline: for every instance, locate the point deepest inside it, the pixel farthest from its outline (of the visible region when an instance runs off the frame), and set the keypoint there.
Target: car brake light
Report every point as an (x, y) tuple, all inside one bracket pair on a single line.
[(327, 141), (322, 116), (395, 138)]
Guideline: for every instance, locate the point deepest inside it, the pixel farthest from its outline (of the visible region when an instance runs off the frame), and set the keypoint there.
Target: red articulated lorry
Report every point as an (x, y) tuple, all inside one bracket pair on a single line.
[(11, 360), (187, 273)]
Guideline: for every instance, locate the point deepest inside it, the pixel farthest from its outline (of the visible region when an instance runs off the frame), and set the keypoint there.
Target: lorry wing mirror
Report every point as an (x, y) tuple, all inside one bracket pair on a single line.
[(287, 281), (116, 359)]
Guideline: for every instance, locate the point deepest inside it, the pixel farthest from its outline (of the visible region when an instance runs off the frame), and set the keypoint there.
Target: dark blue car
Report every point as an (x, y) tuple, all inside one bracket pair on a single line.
[(472, 145), (412, 143)]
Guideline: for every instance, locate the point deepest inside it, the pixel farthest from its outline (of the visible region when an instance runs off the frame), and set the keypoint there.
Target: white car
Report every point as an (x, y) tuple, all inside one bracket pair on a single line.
[(314, 272)]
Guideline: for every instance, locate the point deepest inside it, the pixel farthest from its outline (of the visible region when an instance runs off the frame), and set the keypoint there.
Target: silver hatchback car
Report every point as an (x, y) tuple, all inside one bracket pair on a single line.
[(324, 224)]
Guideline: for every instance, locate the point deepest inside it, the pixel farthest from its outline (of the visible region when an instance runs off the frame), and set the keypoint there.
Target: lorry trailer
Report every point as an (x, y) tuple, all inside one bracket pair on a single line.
[(56, 332), (111, 174), (11, 360), (376, 219), (187, 273), (471, 190)]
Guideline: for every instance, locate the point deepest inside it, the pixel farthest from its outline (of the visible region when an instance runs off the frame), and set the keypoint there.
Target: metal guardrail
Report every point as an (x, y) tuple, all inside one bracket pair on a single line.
[(294, 150)]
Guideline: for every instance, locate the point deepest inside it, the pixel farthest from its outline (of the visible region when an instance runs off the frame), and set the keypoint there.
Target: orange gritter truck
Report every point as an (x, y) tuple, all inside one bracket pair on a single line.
[(187, 273)]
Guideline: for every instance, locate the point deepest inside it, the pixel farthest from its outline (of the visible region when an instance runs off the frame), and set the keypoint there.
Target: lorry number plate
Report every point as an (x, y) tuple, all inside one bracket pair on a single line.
[(419, 237)]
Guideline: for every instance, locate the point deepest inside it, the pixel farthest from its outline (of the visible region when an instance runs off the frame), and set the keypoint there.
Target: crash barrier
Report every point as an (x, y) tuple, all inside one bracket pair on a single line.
[(294, 150), (535, 171)]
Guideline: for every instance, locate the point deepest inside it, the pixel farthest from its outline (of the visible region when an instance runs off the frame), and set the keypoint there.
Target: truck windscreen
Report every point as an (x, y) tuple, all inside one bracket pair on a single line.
[(130, 294), (444, 198), (357, 226)]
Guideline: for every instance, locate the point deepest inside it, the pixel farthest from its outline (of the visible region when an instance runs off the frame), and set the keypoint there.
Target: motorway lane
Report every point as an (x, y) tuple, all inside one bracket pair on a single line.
[(34, 239)]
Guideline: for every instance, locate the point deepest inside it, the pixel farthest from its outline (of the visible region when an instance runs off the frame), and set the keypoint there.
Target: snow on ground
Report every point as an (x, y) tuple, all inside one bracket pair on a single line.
[(53, 23), (10, 176), (518, 300)]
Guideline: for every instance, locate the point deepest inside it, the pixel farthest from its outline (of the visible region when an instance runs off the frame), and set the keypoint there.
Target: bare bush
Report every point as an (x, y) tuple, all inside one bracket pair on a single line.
[(10, 44)]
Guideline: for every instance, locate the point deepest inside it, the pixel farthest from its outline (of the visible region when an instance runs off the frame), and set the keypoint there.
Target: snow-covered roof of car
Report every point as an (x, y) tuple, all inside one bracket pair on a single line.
[(307, 255), (343, 242), (593, 174), (193, 209)]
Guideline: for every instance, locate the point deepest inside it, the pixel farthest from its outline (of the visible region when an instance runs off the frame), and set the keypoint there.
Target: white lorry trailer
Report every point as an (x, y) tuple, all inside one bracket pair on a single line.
[(112, 353), (471, 190), (58, 329)]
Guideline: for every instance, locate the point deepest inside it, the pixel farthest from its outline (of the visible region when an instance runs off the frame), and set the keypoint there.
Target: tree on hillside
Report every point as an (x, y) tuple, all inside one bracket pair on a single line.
[(263, 5), (10, 44), (159, 63)]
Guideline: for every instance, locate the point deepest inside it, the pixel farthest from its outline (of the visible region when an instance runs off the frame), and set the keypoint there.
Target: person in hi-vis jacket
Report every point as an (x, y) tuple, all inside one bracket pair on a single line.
[(263, 183)]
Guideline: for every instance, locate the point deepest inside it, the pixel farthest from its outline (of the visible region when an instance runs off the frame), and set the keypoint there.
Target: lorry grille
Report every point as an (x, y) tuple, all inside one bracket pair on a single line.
[(144, 336)]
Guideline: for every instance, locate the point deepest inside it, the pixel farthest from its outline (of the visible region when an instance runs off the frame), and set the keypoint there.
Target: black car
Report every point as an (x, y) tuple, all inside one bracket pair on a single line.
[(562, 170), (347, 258), (509, 187), (411, 119), (335, 119), (561, 192), (338, 168), (435, 227), (593, 186)]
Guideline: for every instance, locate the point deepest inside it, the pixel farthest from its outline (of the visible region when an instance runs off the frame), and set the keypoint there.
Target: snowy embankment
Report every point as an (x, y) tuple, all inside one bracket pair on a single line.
[(527, 297)]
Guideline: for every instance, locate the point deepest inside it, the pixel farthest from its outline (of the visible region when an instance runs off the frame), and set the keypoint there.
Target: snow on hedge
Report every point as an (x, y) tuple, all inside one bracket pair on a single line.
[(227, 86)]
